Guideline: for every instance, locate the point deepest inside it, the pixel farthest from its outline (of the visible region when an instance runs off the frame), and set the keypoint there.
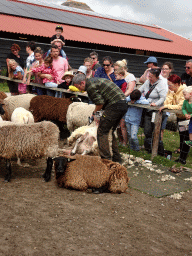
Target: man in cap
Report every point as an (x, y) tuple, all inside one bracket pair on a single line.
[(151, 63)]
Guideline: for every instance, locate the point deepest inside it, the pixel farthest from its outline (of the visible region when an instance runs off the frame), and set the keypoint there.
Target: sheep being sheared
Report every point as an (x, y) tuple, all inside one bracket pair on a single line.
[(83, 172)]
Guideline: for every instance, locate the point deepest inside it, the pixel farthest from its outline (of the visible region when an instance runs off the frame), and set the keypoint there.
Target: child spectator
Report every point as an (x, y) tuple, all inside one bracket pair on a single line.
[(47, 68), (187, 111), (16, 72), (58, 38), (133, 118), (68, 76), (121, 83)]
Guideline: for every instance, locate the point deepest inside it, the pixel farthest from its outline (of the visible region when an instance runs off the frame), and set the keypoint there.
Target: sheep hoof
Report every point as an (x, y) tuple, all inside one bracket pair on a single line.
[(72, 153), (46, 177)]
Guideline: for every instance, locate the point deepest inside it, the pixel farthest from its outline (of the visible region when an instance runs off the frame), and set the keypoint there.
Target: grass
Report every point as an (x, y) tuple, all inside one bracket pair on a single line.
[(3, 83), (171, 142)]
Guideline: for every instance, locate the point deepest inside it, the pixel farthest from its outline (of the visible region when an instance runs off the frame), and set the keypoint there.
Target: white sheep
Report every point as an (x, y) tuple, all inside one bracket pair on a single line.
[(78, 114), (12, 102), (22, 116), (29, 141)]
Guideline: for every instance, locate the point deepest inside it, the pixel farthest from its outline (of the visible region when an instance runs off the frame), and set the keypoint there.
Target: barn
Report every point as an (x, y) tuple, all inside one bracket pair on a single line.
[(85, 31)]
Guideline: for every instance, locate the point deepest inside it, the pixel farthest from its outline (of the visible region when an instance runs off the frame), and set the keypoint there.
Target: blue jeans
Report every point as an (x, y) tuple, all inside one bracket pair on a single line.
[(51, 92), (132, 131)]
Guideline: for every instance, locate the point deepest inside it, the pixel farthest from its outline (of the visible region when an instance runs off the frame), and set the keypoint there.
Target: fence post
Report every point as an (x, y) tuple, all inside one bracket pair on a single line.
[(157, 129)]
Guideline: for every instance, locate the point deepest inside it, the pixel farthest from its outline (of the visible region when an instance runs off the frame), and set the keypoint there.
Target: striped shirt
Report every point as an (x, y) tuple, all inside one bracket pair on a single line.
[(103, 92)]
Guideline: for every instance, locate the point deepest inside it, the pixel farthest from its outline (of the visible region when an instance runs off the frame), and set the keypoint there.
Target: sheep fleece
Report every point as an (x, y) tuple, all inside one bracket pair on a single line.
[(45, 107), (29, 140), (94, 172)]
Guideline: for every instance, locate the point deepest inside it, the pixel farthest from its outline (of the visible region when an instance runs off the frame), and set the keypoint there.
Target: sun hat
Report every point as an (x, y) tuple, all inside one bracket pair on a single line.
[(82, 69), (151, 59), (59, 27), (67, 73)]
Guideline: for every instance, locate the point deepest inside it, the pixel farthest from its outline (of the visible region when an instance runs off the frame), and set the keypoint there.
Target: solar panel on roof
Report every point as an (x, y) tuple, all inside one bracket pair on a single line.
[(75, 19)]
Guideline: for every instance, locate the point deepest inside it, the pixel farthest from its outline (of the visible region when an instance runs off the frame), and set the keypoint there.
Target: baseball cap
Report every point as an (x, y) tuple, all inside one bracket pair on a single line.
[(82, 69), (59, 27), (151, 59)]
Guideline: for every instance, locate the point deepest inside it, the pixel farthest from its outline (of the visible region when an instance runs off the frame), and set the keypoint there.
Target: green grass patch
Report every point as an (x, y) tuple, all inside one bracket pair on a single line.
[(171, 142), (3, 83)]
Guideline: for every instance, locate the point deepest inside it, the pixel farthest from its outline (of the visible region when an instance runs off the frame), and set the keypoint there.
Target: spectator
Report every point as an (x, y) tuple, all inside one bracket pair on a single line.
[(16, 72), (133, 118), (174, 100), (59, 43), (82, 70), (14, 55), (151, 63), (166, 70), (38, 63), (107, 71), (186, 78), (60, 65), (107, 96), (88, 64), (96, 64), (68, 76), (29, 61), (129, 78), (155, 91), (121, 83), (47, 68)]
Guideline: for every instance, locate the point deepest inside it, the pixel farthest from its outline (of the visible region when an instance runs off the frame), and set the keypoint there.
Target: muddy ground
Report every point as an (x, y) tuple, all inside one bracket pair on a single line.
[(38, 219)]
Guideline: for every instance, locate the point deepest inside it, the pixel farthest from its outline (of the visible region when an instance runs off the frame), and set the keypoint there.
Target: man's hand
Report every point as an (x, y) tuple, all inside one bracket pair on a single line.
[(153, 104)]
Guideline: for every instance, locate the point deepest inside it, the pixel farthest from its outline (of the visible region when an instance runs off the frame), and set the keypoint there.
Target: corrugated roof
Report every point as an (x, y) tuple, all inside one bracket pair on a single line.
[(179, 45), (76, 19)]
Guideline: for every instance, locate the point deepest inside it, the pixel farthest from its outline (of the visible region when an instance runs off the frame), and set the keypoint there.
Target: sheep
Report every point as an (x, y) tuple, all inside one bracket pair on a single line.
[(78, 114), (45, 107), (29, 141), (83, 172), (3, 95), (84, 141), (12, 102), (21, 115)]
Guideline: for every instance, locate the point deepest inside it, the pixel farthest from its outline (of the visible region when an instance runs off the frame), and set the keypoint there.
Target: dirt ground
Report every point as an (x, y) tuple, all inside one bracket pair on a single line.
[(38, 218)]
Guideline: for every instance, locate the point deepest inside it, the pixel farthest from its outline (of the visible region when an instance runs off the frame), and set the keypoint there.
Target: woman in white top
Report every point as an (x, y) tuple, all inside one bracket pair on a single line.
[(131, 83)]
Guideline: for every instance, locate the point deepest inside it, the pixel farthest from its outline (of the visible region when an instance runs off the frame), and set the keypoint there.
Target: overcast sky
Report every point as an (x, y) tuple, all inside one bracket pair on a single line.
[(174, 15)]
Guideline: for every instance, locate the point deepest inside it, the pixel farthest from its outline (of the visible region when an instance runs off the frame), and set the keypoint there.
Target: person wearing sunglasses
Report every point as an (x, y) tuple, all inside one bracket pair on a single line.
[(96, 64), (186, 78), (107, 70)]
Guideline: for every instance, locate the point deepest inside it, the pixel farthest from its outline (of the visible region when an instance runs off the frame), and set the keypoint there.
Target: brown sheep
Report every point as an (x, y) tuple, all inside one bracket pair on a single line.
[(48, 108), (3, 95), (83, 172)]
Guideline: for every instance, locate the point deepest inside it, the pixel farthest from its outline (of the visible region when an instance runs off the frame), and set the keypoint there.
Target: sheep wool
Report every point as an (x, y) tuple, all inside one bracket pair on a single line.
[(45, 107), (78, 114), (13, 102), (3, 95), (29, 141), (22, 116), (93, 172)]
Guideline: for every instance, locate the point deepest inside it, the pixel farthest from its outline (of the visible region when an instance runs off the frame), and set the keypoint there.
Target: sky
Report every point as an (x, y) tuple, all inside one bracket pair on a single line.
[(173, 15)]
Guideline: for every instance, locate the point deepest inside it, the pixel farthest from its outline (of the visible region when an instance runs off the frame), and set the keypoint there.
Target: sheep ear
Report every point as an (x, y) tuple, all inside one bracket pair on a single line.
[(70, 160)]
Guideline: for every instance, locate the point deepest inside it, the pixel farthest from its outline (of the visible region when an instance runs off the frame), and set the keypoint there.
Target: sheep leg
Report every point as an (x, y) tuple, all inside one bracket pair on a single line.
[(73, 152), (8, 169), (47, 174)]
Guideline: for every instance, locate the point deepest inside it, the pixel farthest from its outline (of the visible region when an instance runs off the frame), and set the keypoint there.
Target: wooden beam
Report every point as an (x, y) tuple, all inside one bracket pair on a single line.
[(156, 134)]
